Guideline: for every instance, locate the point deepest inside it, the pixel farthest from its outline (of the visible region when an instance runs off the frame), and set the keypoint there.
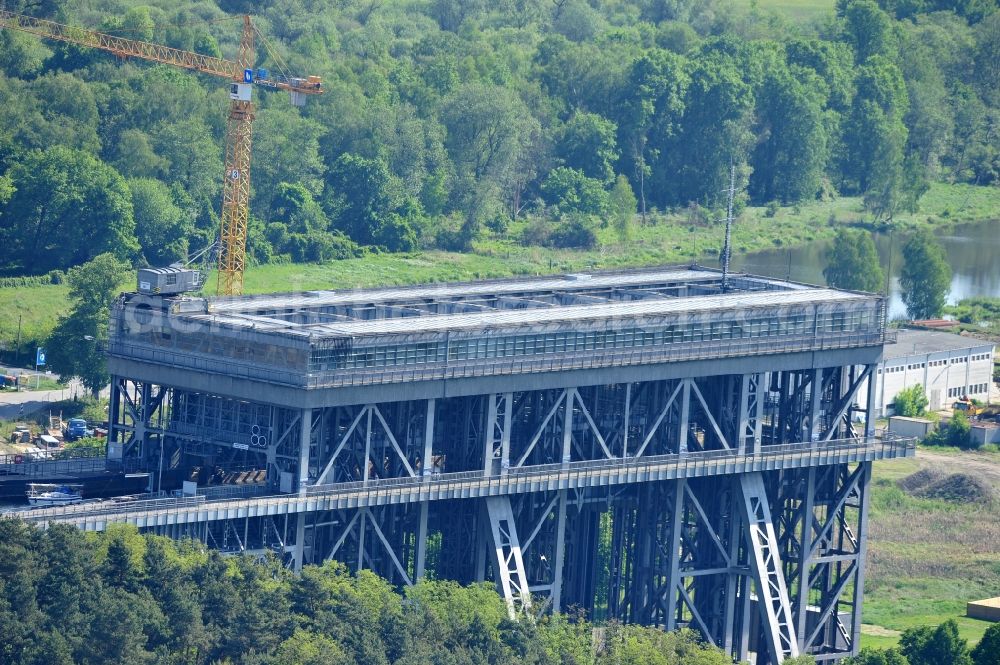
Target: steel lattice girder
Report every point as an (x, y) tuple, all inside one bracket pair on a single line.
[(672, 552)]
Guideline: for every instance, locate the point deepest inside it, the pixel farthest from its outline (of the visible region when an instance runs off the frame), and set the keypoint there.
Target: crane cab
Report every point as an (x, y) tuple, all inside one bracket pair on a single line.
[(240, 91)]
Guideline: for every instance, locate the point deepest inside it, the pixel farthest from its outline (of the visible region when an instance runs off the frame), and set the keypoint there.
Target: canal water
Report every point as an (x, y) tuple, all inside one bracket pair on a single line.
[(973, 251)]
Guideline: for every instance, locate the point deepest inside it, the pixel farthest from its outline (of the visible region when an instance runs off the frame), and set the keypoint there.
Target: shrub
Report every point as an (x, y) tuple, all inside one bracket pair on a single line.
[(911, 402), (87, 443), (33, 280), (955, 433), (577, 231), (537, 232), (572, 191)]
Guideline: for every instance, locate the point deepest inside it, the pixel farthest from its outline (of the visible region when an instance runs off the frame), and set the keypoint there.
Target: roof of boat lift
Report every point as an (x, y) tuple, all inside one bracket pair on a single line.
[(248, 313), (485, 289)]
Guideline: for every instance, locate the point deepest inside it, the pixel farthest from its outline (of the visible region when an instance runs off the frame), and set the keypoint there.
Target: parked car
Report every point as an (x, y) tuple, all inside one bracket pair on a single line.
[(77, 429)]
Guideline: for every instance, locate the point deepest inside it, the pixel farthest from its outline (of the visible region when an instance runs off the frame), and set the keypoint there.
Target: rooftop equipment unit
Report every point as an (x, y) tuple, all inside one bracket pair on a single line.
[(168, 281)]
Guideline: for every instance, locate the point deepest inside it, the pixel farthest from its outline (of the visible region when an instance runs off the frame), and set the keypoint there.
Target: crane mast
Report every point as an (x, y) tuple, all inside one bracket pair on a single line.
[(239, 128), (236, 182)]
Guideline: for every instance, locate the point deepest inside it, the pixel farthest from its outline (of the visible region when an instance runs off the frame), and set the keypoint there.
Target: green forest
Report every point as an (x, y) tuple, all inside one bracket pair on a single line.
[(447, 122), (69, 598)]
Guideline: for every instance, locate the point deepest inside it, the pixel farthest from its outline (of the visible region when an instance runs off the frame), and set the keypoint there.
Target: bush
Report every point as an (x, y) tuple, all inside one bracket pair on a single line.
[(537, 232), (955, 433), (87, 443), (572, 191), (394, 233), (32, 280), (574, 232), (911, 402), (772, 209)]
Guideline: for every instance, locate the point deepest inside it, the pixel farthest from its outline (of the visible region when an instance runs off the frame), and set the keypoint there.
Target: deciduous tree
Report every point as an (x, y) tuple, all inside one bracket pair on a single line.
[(622, 203), (925, 279), (161, 226), (910, 402), (935, 646), (793, 149), (488, 130), (67, 208), (987, 651), (852, 262), (869, 29), (75, 347), (588, 144), (874, 133)]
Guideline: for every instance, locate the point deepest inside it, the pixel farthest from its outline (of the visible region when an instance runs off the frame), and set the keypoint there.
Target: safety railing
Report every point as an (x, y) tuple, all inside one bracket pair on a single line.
[(39, 467), (192, 360), (479, 483), (685, 351), (555, 362), (223, 492), (51, 455)]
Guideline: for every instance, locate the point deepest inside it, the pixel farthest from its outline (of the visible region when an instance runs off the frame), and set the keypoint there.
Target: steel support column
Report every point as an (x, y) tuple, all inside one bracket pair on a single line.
[(772, 595)]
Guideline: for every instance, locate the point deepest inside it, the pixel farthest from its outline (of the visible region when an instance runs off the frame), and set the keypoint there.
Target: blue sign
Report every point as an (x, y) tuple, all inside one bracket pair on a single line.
[(248, 76), (40, 357)]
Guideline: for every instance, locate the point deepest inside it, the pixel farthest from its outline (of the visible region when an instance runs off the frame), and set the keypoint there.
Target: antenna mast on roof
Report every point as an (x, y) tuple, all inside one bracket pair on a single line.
[(727, 248)]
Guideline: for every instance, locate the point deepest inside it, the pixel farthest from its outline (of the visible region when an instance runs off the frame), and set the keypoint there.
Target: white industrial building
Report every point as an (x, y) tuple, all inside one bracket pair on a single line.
[(948, 366)]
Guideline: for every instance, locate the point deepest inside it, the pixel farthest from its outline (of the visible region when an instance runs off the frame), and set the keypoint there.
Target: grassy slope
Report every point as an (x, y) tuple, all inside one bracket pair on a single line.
[(666, 239), (37, 306), (927, 558)]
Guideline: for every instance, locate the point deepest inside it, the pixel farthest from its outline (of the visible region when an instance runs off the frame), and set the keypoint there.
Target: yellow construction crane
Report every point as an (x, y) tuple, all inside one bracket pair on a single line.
[(241, 75)]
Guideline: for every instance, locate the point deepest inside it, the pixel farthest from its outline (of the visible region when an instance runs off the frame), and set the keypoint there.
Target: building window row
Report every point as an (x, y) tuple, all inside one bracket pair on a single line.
[(981, 356), (957, 361), (974, 389), (916, 366), (937, 363), (489, 347)]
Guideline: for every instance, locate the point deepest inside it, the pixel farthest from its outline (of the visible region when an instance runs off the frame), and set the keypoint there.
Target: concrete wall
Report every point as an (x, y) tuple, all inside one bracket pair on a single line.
[(945, 376), (915, 427), (988, 610), (985, 433)]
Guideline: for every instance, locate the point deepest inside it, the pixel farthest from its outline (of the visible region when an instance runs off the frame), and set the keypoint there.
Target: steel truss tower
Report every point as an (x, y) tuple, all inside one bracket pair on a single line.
[(709, 470)]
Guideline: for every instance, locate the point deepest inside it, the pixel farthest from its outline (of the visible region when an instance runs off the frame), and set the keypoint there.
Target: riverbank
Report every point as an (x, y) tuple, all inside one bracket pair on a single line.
[(678, 238)]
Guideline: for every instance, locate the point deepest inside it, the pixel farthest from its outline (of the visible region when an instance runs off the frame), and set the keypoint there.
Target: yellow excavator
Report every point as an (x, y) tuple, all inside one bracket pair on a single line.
[(967, 406)]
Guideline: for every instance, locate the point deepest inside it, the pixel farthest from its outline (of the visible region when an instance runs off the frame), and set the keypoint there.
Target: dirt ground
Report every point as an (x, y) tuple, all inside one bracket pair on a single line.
[(986, 465)]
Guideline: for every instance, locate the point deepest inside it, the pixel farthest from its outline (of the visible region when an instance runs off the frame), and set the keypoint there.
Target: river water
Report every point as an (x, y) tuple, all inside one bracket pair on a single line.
[(973, 251)]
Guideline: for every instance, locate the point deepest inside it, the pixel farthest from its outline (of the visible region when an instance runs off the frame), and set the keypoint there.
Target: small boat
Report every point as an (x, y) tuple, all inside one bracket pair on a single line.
[(54, 495)]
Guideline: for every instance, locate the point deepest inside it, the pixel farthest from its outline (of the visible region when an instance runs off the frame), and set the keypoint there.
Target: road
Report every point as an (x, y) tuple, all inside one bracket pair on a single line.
[(12, 403)]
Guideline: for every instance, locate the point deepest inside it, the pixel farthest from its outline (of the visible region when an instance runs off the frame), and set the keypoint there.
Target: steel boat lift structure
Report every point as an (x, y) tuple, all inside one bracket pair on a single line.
[(645, 446)]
